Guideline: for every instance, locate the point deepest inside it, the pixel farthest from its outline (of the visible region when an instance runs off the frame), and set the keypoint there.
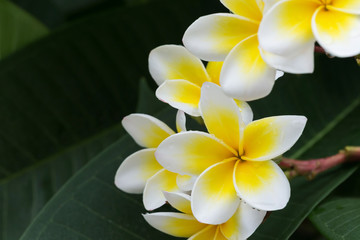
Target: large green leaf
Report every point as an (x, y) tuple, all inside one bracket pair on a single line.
[(338, 219), (17, 28), (55, 13), (90, 207), (63, 92)]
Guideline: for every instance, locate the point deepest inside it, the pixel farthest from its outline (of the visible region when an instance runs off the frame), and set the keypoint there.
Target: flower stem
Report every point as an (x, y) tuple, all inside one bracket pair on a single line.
[(319, 49), (311, 168)]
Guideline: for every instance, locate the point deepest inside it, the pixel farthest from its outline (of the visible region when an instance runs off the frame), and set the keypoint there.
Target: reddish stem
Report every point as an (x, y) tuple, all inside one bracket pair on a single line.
[(319, 49), (310, 168)]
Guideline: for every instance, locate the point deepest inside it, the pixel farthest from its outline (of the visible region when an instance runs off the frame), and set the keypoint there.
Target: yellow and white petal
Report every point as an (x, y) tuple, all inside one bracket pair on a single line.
[(207, 233), (135, 170), (180, 121), (214, 69), (286, 27), (279, 74), (243, 223), (300, 62), (246, 111), (349, 6), (146, 130), (185, 182), (263, 185), (190, 153), (337, 32), (221, 115), (214, 199), (153, 196), (213, 36), (175, 224), (268, 5), (219, 235), (270, 137), (245, 75), (180, 94), (179, 201), (169, 62), (245, 8)]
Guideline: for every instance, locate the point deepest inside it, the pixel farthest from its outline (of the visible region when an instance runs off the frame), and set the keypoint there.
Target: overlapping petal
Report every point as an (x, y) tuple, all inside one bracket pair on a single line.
[(213, 36), (206, 233), (153, 196), (175, 224), (251, 9), (191, 152), (270, 137), (180, 94), (286, 26), (169, 62), (136, 169), (146, 130), (337, 32), (243, 223), (185, 182), (221, 115), (214, 69), (246, 111), (301, 61), (263, 185), (349, 6), (179, 201), (214, 199), (245, 75), (180, 121)]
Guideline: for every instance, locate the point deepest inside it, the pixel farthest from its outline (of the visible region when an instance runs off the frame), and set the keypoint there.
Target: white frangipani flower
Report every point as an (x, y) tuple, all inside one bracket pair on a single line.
[(240, 226), (232, 38), (234, 160), (140, 172), (291, 27), (179, 75)]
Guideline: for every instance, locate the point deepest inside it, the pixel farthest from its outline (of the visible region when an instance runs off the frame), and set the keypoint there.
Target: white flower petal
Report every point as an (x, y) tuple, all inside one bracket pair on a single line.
[(169, 62), (349, 6), (246, 111), (263, 185), (337, 32), (179, 201), (175, 224), (213, 36), (221, 115), (190, 153), (180, 94), (153, 193), (243, 223), (214, 199), (300, 62), (206, 233), (135, 170), (146, 130), (286, 26), (245, 8), (245, 75), (185, 182), (270, 137), (180, 121)]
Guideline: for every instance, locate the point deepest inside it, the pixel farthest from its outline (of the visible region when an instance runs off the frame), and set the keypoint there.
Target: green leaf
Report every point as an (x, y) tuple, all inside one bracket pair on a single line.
[(90, 207), (62, 98), (17, 28), (338, 219)]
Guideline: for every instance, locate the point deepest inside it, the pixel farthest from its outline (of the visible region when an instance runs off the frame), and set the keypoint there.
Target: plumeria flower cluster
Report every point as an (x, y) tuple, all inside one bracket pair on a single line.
[(223, 182)]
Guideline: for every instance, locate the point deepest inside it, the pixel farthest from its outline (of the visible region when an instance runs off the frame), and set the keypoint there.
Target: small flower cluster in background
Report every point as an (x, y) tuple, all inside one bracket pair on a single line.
[(223, 181)]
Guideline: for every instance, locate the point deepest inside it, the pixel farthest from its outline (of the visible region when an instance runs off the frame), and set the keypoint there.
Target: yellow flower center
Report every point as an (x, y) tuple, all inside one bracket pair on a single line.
[(325, 3)]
